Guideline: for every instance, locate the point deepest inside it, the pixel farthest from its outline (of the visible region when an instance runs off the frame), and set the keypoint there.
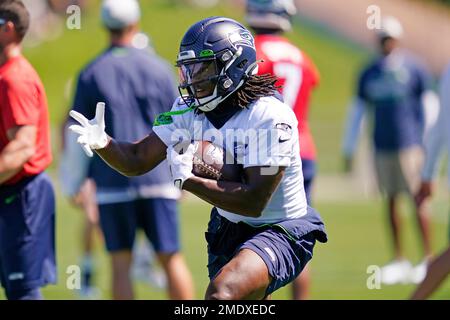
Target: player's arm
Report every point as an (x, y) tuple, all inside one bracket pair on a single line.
[(247, 199), (130, 159), (354, 120), (352, 132), (18, 151), (133, 159), (434, 140)]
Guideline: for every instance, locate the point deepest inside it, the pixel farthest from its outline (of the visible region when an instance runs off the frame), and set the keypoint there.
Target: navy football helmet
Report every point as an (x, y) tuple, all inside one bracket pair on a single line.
[(216, 57), (270, 14)]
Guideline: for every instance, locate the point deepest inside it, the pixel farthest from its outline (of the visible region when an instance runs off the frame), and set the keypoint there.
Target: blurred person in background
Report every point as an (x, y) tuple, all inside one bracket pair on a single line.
[(81, 190), (395, 90), (254, 247), (45, 24), (136, 86), (27, 200), (297, 77), (47, 19), (437, 139)]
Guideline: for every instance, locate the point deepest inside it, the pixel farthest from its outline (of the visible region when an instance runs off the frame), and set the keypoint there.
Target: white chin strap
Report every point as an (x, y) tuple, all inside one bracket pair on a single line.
[(212, 104), (207, 104)]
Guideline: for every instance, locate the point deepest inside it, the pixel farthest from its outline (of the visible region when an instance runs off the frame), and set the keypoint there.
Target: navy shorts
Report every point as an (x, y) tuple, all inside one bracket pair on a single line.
[(27, 234), (309, 173), (286, 247), (157, 217)]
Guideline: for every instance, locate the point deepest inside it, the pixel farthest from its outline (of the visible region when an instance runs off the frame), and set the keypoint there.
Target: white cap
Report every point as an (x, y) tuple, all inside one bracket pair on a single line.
[(118, 14), (390, 28)]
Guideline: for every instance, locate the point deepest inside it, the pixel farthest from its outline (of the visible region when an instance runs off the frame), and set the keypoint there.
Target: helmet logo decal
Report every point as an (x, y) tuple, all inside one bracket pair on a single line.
[(241, 38), (206, 53)]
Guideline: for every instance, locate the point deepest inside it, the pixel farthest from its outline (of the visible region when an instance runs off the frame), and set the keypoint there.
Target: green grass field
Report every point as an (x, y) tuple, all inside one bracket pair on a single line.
[(357, 237), (357, 230)]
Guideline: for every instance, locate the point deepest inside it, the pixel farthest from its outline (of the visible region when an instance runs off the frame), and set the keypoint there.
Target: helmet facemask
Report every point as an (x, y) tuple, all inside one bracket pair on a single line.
[(205, 79)]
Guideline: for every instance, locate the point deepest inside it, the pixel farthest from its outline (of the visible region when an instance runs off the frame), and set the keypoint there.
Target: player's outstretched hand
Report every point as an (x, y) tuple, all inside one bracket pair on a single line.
[(181, 163), (92, 132)]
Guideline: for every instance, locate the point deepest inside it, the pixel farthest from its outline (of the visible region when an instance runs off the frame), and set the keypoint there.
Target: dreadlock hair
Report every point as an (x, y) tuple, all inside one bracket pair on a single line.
[(255, 87)]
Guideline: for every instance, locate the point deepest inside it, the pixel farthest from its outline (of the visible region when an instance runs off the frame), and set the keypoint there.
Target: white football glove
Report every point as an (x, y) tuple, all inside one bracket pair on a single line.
[(181, 165), (92, 133)]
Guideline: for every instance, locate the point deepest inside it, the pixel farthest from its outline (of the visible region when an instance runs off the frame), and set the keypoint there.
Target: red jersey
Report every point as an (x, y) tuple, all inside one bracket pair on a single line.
[(297, 75), (23, 102)]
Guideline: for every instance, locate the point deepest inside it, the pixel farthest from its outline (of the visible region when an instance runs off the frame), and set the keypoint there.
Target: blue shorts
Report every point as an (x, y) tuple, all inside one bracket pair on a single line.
[(309, 173), (157, 217), (286, 247), (27, 234)]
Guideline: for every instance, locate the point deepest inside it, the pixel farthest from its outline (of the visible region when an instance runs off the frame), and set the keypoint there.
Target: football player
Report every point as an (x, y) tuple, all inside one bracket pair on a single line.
[(395, 89), (261, 233), (297, 77), (27, 198)]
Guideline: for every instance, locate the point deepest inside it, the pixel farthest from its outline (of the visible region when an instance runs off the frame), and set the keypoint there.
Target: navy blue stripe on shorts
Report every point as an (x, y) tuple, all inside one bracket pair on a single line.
[(27, 234), (158, 218)]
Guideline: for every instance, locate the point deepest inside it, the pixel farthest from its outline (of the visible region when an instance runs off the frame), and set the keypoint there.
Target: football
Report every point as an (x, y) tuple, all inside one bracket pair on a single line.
[(210, 163)]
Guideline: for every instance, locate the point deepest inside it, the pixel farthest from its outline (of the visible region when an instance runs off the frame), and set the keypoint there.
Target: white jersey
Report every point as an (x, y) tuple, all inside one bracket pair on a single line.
[(264, 134)]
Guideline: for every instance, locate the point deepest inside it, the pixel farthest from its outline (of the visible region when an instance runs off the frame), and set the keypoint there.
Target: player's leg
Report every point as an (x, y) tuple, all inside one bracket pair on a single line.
[(399, 269), (146, 265), (233, 276), (250, 263), (412, 160), (246, 276), (438, 270), (27, 238), (423, 220), (179, 278), (122, 287), (388, 171), (301, 285), (160, 222), (118, 223), (88, 203), (395, 224), (391, 183), (87, 261), (419, 271)]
